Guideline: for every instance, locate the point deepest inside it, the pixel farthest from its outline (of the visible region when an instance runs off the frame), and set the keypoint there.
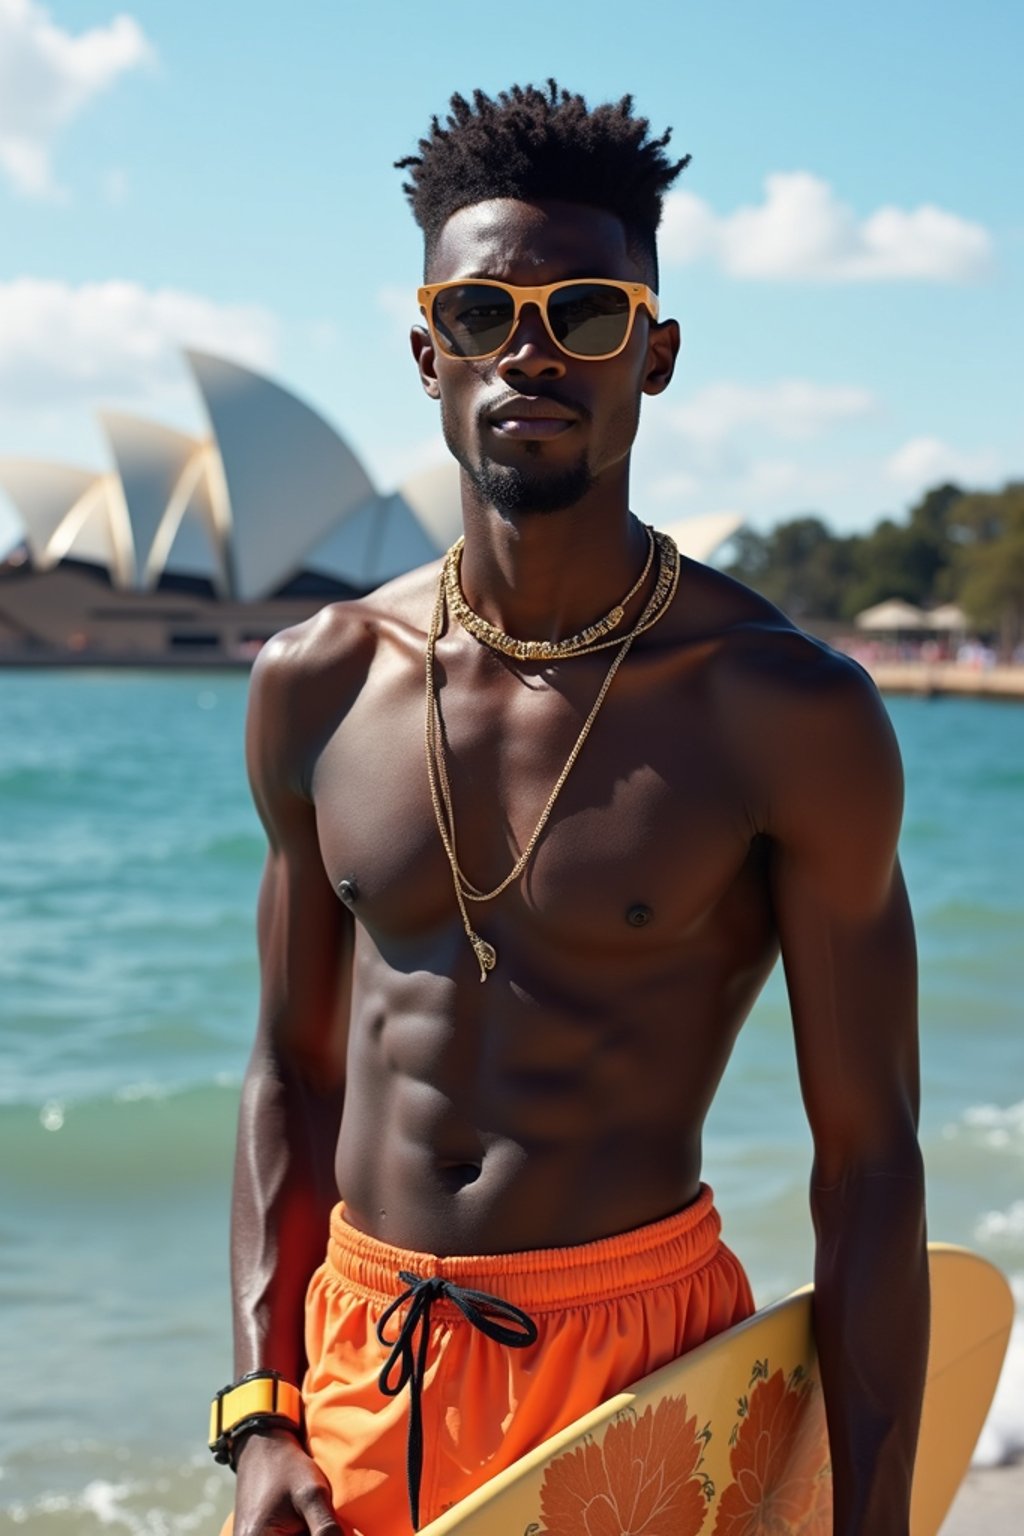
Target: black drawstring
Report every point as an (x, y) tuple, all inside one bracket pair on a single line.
[(478, 1308)]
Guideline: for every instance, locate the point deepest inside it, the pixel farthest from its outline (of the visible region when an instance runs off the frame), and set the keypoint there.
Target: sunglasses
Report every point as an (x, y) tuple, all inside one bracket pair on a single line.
[(588, 317)]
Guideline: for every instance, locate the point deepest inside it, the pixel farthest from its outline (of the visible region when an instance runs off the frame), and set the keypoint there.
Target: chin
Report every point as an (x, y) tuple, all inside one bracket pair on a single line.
[(514, 490)]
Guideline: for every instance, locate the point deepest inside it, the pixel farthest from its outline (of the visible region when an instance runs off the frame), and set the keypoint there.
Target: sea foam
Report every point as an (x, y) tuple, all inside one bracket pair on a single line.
[(1002, 1439)]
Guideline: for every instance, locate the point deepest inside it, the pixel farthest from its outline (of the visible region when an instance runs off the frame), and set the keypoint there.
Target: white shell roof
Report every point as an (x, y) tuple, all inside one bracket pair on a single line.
[(190, 540), (290, 478), (98, 531), (151, 461), (700, 536), (68, 511), (272, 491), (432, 494), (381, 539), (43, 494)]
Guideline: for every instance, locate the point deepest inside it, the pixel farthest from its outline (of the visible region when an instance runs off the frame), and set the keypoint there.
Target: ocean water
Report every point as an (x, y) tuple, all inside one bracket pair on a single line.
[(129, 861)]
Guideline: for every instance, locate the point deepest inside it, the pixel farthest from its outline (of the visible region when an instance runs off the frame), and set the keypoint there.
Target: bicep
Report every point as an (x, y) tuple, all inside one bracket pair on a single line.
[(852, 985), (847, 938), (305, 934), (305, 948)]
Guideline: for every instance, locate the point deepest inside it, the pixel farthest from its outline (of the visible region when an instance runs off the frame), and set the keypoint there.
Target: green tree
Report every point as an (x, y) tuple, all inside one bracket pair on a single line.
[(955, 545), (989, 529), (898, 560), (800, 565)]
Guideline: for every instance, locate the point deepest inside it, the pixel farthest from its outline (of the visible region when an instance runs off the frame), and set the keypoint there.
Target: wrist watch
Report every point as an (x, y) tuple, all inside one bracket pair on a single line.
[(262, 1399)]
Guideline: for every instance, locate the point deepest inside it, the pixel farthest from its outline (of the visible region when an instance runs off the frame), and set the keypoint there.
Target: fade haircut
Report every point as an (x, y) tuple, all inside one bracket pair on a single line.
[(532, 144)]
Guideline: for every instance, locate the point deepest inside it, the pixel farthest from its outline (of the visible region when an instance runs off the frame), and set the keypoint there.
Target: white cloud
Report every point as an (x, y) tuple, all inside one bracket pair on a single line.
[(803, 231), (762, 489), (720, 447), (769, 450), (925, 461), (47, 77), (792, 409), (66, 346)]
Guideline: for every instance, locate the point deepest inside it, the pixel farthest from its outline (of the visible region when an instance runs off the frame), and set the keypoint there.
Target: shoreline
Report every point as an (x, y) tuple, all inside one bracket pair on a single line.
[(989, 1502), (916, 679), (937, 679)]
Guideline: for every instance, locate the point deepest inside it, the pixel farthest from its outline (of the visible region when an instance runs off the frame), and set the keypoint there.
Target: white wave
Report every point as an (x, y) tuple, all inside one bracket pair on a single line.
[(130, 1093), (101, 1499), (130, 1506), (1002, 1439)]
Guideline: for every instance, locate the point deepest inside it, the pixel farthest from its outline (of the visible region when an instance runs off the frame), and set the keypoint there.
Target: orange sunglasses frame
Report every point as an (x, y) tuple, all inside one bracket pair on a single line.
[(637, 293)]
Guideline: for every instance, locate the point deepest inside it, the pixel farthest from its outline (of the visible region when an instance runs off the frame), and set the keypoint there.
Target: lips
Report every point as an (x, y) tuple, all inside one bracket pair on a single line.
[(531, 416)]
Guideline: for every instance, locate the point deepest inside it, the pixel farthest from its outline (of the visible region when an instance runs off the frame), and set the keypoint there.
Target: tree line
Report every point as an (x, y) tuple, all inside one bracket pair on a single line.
[(960, 546)]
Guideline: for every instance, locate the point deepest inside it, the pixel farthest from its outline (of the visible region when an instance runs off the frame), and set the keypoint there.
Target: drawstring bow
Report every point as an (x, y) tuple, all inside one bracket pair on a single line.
[(406, 1364)]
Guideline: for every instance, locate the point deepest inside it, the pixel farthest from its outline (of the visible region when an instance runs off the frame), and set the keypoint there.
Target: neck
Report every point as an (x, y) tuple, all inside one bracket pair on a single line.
[(546, 575)]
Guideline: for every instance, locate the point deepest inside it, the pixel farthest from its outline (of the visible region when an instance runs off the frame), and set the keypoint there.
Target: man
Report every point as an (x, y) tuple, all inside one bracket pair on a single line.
[(539, 821)]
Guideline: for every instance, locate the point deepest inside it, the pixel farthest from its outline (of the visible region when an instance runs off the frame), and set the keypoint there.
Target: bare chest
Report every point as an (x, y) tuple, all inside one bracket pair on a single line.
[(649, 830)]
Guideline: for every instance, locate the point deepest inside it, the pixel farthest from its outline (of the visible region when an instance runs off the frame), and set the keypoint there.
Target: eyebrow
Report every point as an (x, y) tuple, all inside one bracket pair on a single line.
[(577, 275)]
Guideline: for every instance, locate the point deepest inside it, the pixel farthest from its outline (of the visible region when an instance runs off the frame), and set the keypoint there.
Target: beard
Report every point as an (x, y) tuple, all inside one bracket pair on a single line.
[(520, 489), (511, 489)]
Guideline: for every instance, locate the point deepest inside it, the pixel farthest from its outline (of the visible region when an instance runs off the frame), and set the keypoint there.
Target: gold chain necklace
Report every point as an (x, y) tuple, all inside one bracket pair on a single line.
[(534, 650), (664, 591), (437, 774)]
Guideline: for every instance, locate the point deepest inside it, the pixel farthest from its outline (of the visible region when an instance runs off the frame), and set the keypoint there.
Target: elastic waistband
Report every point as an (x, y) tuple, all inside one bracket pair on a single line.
[(538, 1279)]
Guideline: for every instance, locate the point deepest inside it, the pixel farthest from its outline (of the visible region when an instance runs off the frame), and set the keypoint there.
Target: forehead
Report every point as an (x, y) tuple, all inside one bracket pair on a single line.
[(531, 243)]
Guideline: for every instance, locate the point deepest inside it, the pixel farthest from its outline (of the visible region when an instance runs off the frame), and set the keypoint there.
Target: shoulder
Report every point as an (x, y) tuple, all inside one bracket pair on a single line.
[(308, 676), (805, 722), (760, 663)]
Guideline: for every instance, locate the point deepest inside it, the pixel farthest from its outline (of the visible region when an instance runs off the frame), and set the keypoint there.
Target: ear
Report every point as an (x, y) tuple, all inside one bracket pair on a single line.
[(663, 346), (423, 352)]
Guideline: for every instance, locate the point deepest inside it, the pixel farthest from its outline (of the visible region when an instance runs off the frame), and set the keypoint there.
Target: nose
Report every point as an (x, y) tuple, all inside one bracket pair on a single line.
[(529, 352)]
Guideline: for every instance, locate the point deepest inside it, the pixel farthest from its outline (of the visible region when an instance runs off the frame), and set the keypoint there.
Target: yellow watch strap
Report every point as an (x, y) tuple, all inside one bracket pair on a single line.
[(259, 1394)]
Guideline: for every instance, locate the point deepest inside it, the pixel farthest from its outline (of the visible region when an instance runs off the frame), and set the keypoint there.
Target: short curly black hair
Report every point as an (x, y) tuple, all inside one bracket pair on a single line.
[(528, 144)]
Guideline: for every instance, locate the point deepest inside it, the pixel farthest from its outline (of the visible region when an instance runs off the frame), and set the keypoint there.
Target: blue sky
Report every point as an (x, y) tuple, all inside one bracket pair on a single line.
[(845, 254)]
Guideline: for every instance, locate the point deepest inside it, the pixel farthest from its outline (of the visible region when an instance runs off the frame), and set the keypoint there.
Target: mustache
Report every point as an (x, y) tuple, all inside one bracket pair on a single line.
[(512, 396)]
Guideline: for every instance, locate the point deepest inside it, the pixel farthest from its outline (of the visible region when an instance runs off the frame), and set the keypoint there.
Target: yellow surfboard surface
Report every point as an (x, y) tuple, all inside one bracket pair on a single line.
[(730, 1440)]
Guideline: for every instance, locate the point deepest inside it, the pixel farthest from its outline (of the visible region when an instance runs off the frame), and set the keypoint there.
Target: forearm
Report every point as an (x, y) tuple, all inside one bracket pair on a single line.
[(871, 1322), (283, 1192)]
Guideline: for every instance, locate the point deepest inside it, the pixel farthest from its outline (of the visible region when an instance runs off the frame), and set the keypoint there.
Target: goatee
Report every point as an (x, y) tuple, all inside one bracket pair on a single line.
[(517, 489), (510, 489)]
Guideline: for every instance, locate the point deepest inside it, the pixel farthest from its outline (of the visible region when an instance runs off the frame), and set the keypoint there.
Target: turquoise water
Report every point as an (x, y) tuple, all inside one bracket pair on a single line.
[(129, 860)]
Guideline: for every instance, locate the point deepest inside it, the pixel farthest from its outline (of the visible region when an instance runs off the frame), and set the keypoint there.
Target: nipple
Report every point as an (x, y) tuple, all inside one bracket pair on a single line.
[(348, 890)]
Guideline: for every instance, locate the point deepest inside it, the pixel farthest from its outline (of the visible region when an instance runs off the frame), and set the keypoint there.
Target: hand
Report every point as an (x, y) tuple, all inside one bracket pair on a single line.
[(281, 1490)]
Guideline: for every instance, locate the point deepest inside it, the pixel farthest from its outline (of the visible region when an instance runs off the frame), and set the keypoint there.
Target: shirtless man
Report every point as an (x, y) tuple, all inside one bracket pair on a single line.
[(509, 1094)]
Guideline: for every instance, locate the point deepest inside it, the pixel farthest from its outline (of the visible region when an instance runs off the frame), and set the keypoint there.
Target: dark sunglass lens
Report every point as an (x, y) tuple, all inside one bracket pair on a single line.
[(589, 319), (473, 319)]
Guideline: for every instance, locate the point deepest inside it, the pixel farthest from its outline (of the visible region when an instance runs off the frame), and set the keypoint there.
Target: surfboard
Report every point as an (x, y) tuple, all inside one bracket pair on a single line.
[(730, 1439)]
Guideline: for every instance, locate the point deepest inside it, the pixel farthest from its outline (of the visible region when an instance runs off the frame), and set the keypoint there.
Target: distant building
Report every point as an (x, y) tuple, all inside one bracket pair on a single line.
[(202, 547)]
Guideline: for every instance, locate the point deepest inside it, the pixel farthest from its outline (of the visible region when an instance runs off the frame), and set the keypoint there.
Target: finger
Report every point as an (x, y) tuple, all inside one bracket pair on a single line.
[(318, 1513)]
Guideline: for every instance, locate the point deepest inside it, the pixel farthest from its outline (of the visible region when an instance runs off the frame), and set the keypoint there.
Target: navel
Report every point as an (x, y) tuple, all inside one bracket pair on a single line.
[(638, 915)]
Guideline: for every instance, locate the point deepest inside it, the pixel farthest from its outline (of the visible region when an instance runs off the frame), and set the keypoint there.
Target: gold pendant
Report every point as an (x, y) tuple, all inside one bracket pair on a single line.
[(486, 954)]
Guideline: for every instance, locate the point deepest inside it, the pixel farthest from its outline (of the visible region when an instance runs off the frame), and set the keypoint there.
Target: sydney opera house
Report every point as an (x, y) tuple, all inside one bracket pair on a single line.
[(198, 548)]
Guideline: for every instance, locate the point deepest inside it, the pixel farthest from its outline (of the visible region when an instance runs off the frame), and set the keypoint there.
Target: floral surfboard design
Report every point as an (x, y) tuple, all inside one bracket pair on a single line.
[(645, 1475), (731, 1439)]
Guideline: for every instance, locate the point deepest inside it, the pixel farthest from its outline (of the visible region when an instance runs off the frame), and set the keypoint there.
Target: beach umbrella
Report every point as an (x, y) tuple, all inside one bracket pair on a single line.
[(949, 619), (891, 617)]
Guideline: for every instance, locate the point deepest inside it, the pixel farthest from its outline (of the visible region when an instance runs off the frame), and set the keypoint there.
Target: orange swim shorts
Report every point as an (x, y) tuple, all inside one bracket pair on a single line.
[(579, 1324)]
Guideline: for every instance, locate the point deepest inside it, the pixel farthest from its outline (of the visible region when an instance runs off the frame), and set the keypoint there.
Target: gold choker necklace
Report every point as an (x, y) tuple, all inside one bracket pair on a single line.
[(535, 650), (437, 774)]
